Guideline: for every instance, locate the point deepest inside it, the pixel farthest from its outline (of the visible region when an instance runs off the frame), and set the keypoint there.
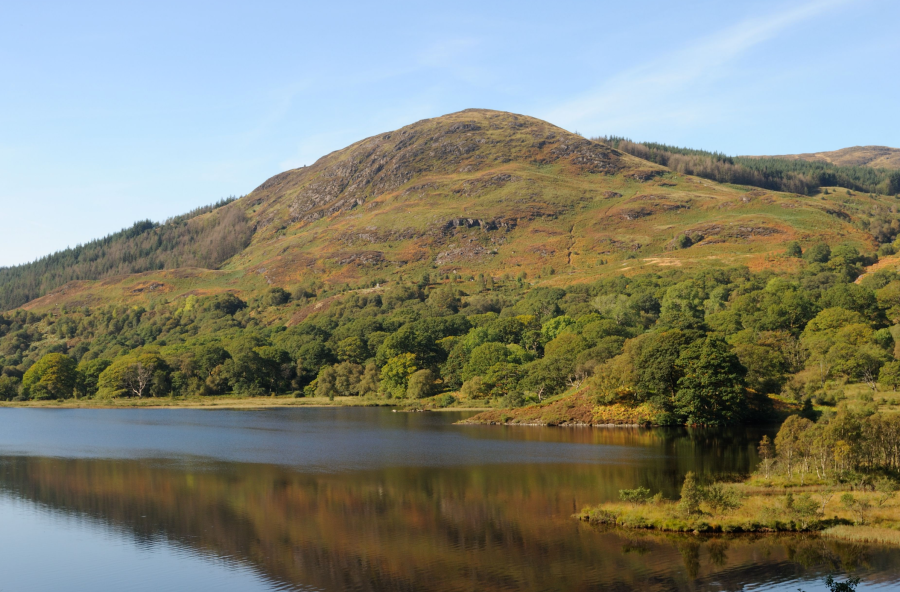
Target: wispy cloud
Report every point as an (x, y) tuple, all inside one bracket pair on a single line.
[(663, 89)]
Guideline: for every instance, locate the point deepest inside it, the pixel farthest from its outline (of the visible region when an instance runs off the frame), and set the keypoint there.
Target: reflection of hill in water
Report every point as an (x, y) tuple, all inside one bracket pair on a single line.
[(489, 528)]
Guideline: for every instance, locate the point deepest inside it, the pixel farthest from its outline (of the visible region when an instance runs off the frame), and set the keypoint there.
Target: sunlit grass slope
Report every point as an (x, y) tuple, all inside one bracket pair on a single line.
[(495, 193)]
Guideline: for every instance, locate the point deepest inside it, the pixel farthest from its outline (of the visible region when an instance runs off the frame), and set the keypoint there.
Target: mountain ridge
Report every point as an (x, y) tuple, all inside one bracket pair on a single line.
[(492, 193)]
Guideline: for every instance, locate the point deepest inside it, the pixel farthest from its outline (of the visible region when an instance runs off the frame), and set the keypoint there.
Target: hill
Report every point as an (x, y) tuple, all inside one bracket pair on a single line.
[(488, 259), (868, 156), (482, 192)]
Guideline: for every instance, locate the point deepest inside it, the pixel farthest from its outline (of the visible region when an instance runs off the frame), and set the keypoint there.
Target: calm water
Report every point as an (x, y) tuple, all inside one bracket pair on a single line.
[(367, 499)]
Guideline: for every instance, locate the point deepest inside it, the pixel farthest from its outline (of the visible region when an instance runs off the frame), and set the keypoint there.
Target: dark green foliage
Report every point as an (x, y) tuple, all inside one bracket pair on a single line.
[(9, 388), (779, 174), (639, 495), (205, 237), (818, 253), (720, 498), (657, 366), (691, 495), (711, 390), (687, 342), (794, 250), (90, 371), (276, 297)]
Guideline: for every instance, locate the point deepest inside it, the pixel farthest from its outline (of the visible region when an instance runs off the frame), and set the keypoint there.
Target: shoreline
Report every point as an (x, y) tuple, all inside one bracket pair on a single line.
[(248, 403)]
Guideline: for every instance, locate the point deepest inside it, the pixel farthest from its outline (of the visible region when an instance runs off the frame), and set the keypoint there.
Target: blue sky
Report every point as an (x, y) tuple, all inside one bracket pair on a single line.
[(112, 112)]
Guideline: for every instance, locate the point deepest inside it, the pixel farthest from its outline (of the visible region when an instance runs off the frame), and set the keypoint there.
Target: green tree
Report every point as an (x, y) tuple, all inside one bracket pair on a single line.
[(135, 375), (859, 507), (552, 328), (474, 388), (9, 387), (352, 349), (889, 375), (89, 372), (445, 299), (276, 297), (691, 495), (711, 391), (54, 376), (720, 498), (789, 442), (421, 384), (805, 509), (347, 378), (639, 495), (368, 382), (395, 375), (818, 253), (820, 334), (656, 365), (325, 383), (483, 357), (682, 307)]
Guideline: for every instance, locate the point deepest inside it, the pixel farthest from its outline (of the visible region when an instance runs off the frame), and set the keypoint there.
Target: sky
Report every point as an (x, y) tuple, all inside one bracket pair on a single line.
[(114, 112)]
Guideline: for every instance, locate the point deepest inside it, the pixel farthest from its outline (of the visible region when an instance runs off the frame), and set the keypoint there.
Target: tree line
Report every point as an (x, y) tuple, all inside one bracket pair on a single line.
[(205, 237), (702, 347), (778, 174)]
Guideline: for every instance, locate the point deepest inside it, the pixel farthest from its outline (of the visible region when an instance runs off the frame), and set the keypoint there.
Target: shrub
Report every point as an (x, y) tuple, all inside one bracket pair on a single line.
[(512, 400), (859, 507), (276, 297), (720, 498), (690, 495), (805, 509), (473, 388), (887, 489), (446, 400), (640, 495)]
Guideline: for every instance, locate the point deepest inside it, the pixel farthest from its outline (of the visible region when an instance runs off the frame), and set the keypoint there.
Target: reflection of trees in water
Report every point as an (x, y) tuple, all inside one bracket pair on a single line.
[(485, 528)]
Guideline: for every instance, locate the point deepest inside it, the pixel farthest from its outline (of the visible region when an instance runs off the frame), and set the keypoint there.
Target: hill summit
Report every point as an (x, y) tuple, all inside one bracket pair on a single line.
[(474, 192)]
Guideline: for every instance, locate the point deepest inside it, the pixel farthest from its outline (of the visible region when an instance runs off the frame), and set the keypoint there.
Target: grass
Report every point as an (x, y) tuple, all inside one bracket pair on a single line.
[(565, 217), (762, 510), (864, 534)]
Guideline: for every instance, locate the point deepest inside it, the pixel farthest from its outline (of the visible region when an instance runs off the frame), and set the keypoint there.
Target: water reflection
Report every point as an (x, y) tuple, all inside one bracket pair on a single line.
[(491, 527), (366, 499)]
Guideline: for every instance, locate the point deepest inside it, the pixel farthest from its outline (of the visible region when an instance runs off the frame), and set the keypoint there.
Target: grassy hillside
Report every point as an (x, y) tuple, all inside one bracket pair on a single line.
[(492, 193)]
